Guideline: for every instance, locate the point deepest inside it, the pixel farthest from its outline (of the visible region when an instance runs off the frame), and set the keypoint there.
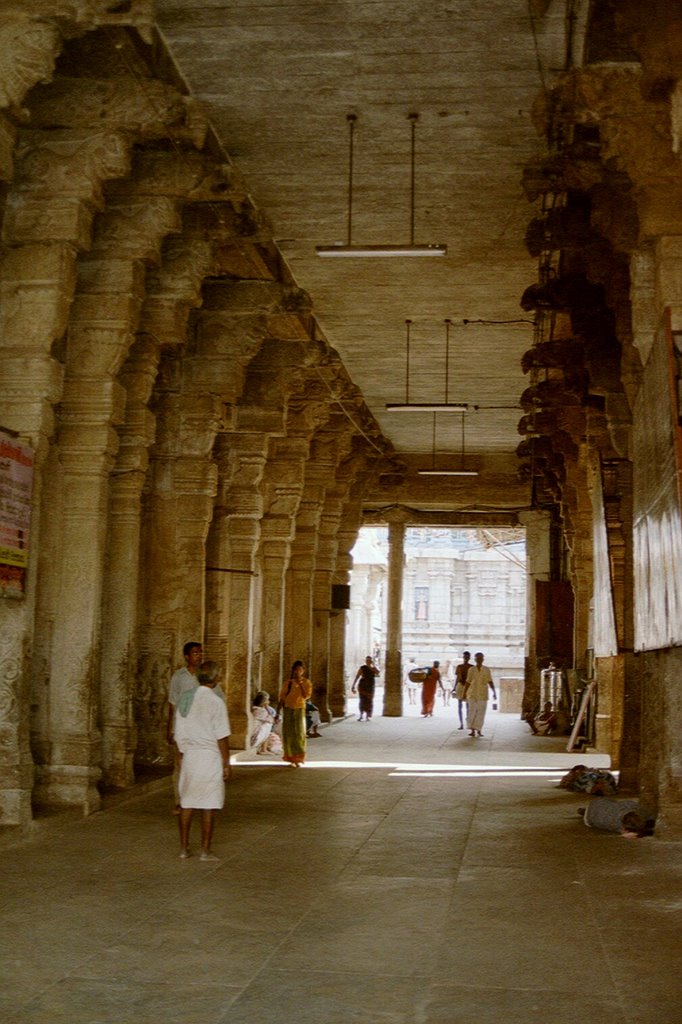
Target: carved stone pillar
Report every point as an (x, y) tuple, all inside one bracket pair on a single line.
[(57, 187), (231, 568), (537, 526), (347, 535), (298, 639), (393, 693), (324, 570), (178, 510), (118, 663), (329, 449), (86, 455), (283, 486)]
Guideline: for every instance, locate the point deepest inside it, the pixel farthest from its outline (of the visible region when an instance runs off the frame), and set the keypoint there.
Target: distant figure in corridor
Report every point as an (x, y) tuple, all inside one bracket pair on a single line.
[(410, 684), (461, 673), (479, 681), (202, 733), (365, 679), (429, 687), (296, 690)]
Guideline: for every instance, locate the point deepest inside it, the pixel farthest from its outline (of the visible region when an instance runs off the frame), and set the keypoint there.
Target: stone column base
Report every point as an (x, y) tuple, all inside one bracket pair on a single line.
[(67, 785)]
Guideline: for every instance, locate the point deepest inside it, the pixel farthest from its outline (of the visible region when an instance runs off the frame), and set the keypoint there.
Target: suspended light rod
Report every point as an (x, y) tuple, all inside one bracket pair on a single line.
[(349, 250), (387, 251)]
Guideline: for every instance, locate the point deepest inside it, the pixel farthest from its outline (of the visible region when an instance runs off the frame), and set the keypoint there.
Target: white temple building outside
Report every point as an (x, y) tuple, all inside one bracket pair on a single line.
[(463, 589)]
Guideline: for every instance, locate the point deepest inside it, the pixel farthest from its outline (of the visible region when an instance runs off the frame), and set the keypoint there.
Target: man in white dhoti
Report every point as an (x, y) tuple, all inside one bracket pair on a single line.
[(202, 733), (478, 682)]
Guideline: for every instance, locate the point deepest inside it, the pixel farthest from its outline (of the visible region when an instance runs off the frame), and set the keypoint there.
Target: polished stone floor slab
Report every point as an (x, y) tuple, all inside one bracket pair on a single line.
[(406, 875)]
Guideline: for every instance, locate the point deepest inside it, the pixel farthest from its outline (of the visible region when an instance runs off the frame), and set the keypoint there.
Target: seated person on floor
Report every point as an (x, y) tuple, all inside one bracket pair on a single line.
[(264, 736), (626, 817), (545, 722), (313, 721)]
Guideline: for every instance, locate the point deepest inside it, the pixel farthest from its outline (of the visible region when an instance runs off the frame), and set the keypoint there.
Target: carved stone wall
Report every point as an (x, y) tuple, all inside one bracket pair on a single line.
[(609, 193), (171, 376)]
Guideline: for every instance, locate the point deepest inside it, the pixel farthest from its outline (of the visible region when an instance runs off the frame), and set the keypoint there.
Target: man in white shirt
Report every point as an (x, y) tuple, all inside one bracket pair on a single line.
[(479, 680), (202, 733)]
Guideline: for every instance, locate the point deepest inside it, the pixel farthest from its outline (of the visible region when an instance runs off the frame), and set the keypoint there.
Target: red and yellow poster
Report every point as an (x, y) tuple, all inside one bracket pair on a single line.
[(16, 483)]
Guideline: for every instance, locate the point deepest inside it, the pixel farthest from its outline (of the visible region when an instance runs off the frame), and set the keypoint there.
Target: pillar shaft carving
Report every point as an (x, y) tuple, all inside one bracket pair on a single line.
[(635, 136), (282, 488), (231, 567), (29, 49), (393, 693), (298, 611)]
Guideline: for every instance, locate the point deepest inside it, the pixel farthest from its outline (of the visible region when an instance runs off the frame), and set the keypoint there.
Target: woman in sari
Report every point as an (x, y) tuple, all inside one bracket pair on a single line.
[(291, 705), (431, 682)]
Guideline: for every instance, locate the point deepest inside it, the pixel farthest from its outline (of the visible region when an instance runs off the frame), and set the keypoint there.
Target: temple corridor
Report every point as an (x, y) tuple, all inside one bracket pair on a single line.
[(407, 874)]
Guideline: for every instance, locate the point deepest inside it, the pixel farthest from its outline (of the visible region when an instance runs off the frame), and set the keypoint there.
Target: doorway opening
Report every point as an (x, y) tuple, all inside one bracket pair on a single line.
[(463, 589)]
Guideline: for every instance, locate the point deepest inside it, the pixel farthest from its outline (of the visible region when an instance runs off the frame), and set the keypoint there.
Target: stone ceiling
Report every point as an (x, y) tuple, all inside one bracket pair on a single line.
[(278, 80)]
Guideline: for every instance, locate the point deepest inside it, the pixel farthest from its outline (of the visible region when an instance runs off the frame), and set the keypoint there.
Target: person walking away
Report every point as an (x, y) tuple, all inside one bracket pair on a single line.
[(446, 683), (479, 681), (461, 673), (410, 684), (183, 679), (291, 705), (429, 687), (365, 679), (202, 734)]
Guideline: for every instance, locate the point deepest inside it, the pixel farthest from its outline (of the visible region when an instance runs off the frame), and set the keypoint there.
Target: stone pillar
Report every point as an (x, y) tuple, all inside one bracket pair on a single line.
[(537, 526), (283, 486), (178, 510), (324, 565), (337, 639), (118, 663), (231, 569), (298, 620), (393, 693), (37, 282), (86, 457), (48, 215)]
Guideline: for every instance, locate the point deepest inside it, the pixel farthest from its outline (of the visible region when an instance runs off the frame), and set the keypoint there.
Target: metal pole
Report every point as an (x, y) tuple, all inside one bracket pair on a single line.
[(351, 118)]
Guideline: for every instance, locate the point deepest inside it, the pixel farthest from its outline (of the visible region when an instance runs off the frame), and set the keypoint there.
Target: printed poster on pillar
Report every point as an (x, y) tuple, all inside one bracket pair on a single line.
[(16, 484)]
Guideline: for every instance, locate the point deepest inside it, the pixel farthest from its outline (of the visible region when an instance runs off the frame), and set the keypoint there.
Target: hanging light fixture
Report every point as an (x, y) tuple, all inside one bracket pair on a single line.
[(353, 251), (445, 406), (434, 471)]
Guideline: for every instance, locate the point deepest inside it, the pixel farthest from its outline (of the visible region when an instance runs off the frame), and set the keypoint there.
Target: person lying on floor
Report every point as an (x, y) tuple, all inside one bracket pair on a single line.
[(626, 817), (595, 781)]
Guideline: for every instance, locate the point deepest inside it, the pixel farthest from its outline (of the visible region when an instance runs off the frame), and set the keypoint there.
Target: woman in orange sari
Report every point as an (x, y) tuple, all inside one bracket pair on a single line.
[(292, 697), (429, 686)]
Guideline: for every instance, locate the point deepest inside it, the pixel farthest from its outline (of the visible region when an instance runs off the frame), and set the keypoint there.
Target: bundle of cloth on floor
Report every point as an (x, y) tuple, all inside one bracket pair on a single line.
[(596, 781)]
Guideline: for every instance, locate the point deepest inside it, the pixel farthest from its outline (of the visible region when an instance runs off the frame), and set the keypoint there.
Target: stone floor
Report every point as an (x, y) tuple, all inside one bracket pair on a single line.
[(407, 874)]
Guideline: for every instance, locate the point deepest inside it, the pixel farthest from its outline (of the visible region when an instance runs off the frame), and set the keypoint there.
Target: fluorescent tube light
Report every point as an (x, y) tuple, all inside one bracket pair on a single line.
[(379, 251), (426, 407), (447, 472)]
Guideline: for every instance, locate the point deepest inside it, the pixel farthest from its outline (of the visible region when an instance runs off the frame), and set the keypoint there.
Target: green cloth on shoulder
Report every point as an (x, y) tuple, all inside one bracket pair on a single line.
[(185, 702)]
